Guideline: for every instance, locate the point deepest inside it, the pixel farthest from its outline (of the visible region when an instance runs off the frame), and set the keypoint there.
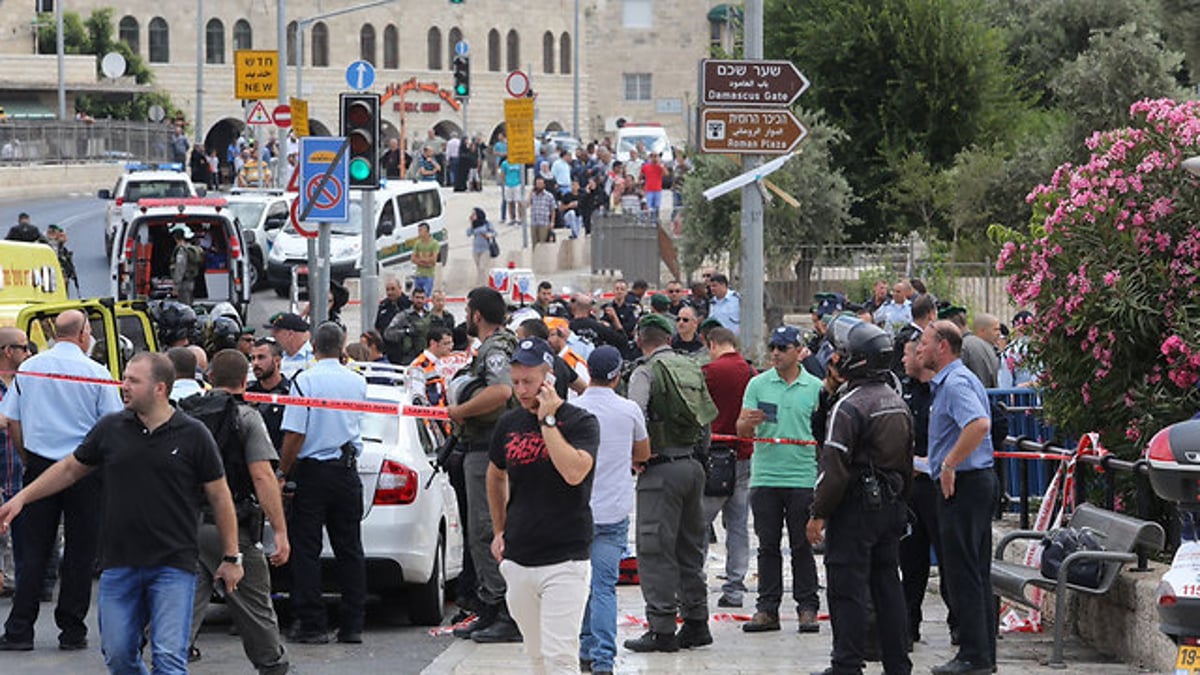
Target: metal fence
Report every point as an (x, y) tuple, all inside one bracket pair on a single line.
[(54, 141)]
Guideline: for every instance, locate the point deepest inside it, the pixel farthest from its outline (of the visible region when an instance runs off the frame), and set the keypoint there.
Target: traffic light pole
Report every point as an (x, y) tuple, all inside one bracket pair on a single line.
[(369, 276)]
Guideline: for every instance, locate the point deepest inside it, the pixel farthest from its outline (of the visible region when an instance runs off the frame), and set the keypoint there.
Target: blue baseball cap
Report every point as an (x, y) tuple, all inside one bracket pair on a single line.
[(784, 336), (533, 352), (604, 363)]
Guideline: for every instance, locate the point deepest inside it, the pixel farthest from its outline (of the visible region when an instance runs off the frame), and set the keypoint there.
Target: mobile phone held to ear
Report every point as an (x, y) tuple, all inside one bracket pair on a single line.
[(550, 379)]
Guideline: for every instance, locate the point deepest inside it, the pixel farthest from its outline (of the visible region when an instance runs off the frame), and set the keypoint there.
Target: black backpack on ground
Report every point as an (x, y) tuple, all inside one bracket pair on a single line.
[(218, 411)]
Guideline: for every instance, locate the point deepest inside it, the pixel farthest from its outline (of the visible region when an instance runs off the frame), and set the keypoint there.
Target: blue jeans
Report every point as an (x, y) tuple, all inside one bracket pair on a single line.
[(598, 638), (425, 283), (131, 598), (573, 222)]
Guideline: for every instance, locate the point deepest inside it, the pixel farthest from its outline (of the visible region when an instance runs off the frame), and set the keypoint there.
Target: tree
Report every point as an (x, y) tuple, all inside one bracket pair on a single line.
[(95, 36), (712, 228), (1110, 267), (901, 77)]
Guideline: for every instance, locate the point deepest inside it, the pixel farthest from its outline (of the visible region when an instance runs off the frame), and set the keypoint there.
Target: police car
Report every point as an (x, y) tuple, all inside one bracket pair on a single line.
[(411, 533), (399, 207), (142, 181)]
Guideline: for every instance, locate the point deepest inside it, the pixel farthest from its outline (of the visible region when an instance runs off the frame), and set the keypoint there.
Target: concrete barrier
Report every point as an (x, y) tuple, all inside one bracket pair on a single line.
[(1122, 623), (36, 181)]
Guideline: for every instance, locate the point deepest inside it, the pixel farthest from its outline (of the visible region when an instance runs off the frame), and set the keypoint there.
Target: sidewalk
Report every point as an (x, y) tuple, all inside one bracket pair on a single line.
[(785, 651)]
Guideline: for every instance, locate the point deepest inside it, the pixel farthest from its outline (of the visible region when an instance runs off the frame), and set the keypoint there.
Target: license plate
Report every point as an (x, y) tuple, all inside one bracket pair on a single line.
[(1188, 659)]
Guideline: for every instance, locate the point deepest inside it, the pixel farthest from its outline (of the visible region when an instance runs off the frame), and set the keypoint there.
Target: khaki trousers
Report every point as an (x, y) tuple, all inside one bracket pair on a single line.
[(547, 602)]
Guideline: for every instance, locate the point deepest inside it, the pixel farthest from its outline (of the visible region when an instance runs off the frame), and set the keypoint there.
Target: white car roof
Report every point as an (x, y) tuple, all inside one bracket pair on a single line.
[(156, 175)]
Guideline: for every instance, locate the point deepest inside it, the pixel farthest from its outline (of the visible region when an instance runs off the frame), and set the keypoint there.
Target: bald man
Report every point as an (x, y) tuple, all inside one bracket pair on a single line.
[(14, 347), (979, 353), (43, 439)]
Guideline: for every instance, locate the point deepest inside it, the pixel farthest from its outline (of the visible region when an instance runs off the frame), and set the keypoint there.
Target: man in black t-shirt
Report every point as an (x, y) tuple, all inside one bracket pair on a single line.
[(158, 464), (539, 484)]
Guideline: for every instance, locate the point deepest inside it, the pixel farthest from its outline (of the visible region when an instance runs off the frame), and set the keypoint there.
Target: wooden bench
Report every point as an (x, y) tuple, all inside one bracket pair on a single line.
[(1126, 540)]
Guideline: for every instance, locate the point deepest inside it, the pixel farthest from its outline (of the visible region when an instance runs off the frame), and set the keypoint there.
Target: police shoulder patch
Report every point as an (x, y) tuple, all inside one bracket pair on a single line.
[(496, 361)]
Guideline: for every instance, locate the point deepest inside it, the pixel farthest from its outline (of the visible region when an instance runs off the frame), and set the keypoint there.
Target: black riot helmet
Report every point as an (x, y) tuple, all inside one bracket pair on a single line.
[(865, 351), (174, 321)]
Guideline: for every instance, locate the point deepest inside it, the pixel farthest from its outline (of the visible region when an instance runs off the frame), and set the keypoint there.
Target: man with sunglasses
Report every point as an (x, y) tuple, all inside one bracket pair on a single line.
[(779, 404), (14, 348), (687, 332), (677, 297)]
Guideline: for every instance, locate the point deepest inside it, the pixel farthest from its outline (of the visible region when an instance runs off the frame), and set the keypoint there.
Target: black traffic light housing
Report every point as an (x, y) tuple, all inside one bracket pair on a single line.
[(360, 126), (462, 77)]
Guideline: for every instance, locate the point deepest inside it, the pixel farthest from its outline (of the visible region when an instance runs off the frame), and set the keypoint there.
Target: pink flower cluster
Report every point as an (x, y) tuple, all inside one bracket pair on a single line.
[(1115, 251)]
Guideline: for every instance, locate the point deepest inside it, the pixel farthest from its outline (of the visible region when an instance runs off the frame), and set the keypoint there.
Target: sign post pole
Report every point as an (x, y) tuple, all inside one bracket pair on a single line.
[(753, 266), (369, 288), (318, 295)]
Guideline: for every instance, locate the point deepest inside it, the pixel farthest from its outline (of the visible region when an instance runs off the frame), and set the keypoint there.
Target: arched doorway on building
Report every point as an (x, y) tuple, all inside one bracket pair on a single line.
[(554, 128), (446, 129), (501, 128), (219, 136), (388, 131), (316, 128)]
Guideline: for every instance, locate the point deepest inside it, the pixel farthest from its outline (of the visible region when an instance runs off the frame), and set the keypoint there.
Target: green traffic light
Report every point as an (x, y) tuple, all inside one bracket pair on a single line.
[(460, 90), (360, 169)]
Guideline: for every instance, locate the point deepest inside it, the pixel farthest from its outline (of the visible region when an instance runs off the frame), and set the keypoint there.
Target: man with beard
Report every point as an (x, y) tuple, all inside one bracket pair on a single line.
[(265, 360), (475, 418)]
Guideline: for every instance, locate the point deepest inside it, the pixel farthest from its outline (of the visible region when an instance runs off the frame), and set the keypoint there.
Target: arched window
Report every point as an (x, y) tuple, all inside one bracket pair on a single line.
[(366, 44), (548, 52), (320, 44), (565, 55), (391, 47), (243, 35), (494, 50), (434, 47), (291, 43), (214, 42), (160, 41), (127, 32), (452, 40), (514, 51)]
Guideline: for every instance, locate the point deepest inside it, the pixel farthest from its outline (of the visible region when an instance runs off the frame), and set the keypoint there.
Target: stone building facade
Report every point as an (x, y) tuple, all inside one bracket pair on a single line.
[(637, 59)]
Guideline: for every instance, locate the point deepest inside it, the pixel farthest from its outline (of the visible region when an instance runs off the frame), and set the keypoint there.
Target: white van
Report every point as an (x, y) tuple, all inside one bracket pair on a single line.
[(653, 138), (399, 208)]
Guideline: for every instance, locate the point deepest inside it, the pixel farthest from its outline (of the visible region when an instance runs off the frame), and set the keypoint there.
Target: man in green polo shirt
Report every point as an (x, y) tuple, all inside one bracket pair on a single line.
[(425, 257), (779, 403)]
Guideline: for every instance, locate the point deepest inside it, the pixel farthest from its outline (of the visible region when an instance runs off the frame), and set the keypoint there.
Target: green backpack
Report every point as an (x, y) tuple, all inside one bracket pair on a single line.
[(680, 406), (195, 260)]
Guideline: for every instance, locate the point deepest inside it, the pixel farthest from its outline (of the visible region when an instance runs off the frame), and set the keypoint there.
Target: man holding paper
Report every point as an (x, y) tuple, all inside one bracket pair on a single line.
[(779, 404)]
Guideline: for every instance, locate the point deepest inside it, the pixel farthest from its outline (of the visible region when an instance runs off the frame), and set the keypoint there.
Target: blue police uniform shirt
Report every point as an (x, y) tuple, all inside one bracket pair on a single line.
[(290, 364), (326, 430), (958, 400), (59, 413), (727, 310)]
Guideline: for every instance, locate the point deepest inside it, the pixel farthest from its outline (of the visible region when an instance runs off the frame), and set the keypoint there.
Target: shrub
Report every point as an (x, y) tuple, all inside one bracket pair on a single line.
[(1110, 269)]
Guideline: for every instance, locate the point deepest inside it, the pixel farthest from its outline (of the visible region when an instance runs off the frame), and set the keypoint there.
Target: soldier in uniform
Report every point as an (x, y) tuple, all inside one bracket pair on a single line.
[(671, 528), (865, 474), (487, 396)]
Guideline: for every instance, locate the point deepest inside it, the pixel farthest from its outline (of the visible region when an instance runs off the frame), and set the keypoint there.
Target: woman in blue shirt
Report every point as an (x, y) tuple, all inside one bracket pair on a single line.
[(482, 233)]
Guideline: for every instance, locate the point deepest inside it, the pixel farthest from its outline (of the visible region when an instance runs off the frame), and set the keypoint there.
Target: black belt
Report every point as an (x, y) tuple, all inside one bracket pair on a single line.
[(663, 459)]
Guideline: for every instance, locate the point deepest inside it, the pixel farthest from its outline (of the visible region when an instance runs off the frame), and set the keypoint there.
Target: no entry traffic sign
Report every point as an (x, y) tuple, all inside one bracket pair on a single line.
[(282, 115)]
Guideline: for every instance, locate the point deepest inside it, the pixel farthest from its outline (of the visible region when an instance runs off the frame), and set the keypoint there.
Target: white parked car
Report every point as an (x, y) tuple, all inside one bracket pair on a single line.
[(651, 136), (411, 533), (262, 214)]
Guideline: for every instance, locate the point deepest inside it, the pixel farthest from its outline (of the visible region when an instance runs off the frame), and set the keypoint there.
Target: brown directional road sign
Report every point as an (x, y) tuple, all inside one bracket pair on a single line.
[(750, 131), (750, 83)]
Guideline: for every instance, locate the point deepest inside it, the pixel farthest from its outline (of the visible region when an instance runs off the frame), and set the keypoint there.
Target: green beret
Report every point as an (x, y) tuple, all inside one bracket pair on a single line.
[(947, 312), (656, 321)]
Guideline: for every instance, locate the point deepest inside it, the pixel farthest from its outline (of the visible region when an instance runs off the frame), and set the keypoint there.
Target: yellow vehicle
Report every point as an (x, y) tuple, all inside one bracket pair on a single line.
[(33, 293)]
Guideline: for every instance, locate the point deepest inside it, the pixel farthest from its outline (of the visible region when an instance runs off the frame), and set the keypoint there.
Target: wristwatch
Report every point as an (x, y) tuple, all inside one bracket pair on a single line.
[(550, 420), (232, 559)]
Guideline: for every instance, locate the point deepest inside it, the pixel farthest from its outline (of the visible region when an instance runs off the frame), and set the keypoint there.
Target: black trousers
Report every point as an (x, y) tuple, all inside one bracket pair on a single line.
[(861, 559), (467, 580), (772, 507), (328, 495), (79, 509), (923, 504), (965, 522)]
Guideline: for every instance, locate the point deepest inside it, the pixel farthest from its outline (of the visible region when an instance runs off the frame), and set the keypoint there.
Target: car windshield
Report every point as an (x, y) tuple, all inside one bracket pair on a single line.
[(155, 189), (352, 227), (247, 213), (380, 428), (655, 143)]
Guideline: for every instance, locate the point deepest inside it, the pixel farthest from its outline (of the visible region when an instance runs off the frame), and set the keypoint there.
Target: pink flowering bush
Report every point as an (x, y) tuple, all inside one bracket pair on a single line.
[(1110, 269)]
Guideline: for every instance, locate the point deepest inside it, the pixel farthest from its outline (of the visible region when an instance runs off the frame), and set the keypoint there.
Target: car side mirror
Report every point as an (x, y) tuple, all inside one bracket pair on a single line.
[(104, 194), (201, 191), (248, 237), (275, 222), (385, 229)]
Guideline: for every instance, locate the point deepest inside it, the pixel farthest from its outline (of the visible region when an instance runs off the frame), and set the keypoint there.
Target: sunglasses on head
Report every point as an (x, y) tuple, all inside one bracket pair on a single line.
[(268, 340)]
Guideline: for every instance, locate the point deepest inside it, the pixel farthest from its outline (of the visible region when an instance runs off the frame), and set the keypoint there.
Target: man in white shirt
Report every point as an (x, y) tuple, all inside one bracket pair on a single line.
[(452, 148), (623, 442), (184, 362)]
